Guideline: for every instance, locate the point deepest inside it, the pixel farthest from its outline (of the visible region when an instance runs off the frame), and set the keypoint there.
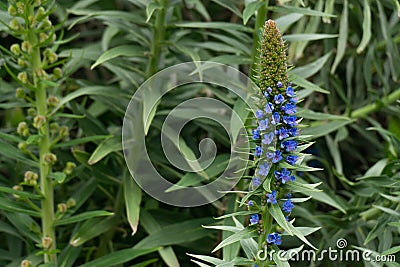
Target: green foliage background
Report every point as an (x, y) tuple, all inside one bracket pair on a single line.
[(345, 55)]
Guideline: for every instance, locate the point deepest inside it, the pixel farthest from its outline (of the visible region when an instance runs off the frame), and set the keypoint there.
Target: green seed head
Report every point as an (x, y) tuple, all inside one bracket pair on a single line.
[(57, 73), (50, 158), (22, 129), (273, 66), (19, 93), (23, 77), (47, 242), (62, 208), (31, 178), (26, 46), (39, 121), (14, 25), (20, 8), (71, 203), (12, 10), (26, 263)]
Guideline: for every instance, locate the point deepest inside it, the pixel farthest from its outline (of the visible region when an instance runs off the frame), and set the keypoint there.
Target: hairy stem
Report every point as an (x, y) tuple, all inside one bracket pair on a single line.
[(385, 101), (46, 185), (158, 39)]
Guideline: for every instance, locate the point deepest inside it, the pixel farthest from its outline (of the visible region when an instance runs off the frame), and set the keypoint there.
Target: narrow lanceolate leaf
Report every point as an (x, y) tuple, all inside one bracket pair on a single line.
[(342, 40), (366, 28), (118, 257), (123, 50), (81, 217), (133, 198), (105, 148), (243, 234)]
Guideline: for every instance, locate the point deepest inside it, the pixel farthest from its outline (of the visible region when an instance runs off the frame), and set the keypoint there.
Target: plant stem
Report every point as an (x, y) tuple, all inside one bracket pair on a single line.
[(260, 20), (385, 101), (158, 39), (46, 185)]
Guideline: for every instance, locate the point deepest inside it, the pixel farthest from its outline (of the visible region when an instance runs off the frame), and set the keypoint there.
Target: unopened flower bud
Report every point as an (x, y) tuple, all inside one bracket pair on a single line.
[(37, 3), (57, 73), (22, 63), (54, 127), (22, 129), (64, 131), (23, 77), (46, 24), (12, 10), (14, 24), (53, 101), (71, 203), (19, 93), (26, 46), (39, 121), (50, 55), (32, 21), (69, 168), (31, 112), (20, 8), (41, 73), (23, 146), (43, 37), (46, 242), (31, 178), (62, 208), (15, 49), (50, 158), (26, 263), (17, 188), (40, 14)]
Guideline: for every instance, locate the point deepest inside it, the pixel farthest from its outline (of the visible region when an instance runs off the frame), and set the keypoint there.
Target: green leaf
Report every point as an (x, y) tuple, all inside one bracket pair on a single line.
[(299, 10), (150, 8), (387, 210), (58, 176), (243, 234), (250, 9), (11, 152), (91, 229), (122, 50), (105, 148), (20, 193), (342, 40), (226, 26), (82, 217), (133, 198), (366, 28), (312, 115), (392, 250), (302, 188), (311, 68), (14, 206), (230, 5), (280, 219), (307, 37), (118, 257), (189, 230), (83, 140), (325, 128)]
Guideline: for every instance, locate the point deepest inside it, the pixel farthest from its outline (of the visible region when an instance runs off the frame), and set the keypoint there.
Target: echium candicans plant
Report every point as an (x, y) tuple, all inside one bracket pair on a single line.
[(33, 63), (278, 143)]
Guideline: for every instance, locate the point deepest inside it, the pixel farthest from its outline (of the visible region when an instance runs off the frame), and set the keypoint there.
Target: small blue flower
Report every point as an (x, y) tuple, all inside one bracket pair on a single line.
[(293, 100), (266, 94), (269, 89), (254, 219), (275, 156), (293, 132), (289, 195), (271, 197), (263, 169), (291, 159), (276, 118), (258, 152), (289, 108), (288, 206), (274, 238), (282, 133), (250, 203), (284, 175), (269, 107), (289, 145), (279, 84), (290, 92), (256, 134), (290, 120), (256, 182), (259, 114), (263, 124), (279, 99), (268, 138)]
